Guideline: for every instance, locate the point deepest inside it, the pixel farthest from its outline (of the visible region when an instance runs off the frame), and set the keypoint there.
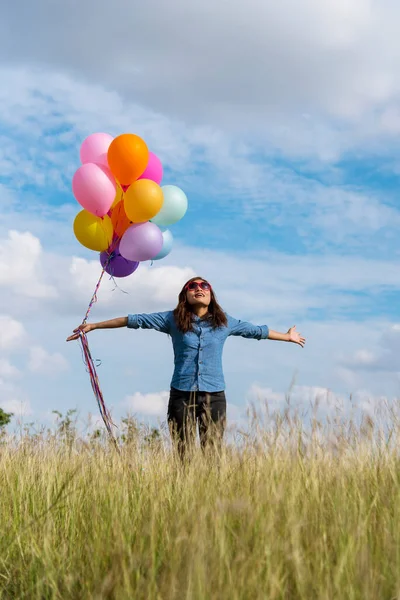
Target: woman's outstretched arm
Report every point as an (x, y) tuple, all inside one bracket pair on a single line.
[(110, 324), (263, 332), (159, 321)]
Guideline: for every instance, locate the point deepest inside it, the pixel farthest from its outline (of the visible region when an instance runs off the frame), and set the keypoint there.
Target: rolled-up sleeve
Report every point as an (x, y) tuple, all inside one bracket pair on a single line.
[(159, 321), (247, 330)]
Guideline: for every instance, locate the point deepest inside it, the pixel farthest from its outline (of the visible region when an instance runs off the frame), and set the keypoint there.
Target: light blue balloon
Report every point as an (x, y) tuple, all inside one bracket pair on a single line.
[(168, 241), (174, 206)]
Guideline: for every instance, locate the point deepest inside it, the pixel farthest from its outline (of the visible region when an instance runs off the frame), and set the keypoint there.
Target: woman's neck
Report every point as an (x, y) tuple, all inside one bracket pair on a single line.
[(200, 311)]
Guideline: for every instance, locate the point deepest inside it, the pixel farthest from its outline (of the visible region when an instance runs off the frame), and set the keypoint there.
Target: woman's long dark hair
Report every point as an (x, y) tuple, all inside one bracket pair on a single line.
[(184, 315)]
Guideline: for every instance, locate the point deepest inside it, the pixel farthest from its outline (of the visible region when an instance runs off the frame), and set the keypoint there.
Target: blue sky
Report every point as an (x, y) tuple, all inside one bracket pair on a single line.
[(285, 136)]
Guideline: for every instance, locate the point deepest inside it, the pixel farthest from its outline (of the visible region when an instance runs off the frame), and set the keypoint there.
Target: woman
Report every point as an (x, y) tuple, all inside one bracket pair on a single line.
[(199, 328)]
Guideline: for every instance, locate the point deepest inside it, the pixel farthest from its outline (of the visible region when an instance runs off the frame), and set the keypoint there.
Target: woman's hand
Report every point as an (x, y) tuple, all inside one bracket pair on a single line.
[(85, 328), (295, 337)]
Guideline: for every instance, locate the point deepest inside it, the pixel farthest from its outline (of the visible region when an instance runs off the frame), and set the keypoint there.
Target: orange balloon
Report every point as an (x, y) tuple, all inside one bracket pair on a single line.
[(143, 200), (119, 219), (127, 157)]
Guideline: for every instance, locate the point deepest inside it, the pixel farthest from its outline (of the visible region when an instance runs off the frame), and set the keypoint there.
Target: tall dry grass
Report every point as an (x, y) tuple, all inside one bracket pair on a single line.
[(285, 512)]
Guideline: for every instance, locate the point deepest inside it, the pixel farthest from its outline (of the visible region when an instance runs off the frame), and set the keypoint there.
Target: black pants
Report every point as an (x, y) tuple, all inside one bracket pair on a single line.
[(188, 409)]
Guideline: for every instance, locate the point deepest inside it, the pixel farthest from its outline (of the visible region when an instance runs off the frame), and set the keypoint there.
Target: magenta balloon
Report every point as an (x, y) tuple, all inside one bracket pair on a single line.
[(116, 265), (141, 241), (154, 169), (94, 187), (94, 149)]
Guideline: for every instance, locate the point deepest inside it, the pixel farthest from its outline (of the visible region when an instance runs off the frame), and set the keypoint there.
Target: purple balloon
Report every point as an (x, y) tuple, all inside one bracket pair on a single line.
[(118, 266), (141, 241)]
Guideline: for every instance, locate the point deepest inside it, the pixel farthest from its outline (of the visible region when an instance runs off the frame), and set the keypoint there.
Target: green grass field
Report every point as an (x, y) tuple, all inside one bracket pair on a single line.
[(281, 514)]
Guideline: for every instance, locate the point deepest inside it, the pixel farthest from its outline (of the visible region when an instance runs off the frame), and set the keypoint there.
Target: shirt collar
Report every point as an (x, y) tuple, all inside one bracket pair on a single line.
[(196, 318)]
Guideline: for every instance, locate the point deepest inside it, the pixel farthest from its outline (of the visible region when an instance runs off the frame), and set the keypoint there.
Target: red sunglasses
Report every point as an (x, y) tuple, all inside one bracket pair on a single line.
[(193, 285)]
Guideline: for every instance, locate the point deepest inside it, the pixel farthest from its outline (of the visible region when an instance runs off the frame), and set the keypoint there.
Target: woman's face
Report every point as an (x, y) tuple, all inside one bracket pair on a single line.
[(198, 292)]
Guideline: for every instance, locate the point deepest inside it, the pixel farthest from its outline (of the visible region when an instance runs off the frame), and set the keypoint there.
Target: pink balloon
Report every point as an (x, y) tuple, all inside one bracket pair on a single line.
[(141, 241), (154, 169), (94, 187), (94, 149)]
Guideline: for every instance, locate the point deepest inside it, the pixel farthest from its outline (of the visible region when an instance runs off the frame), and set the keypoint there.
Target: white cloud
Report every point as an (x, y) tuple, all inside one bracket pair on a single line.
[(21, 267), (273, 400), (272, 285), (8, 370), (202, 159), (299, 397), (13, 399), (41, 361), (309, 401), (364, 358), (149, 405), (382, 358), (151, 286), (12, 333), (39, 281), (289, 71), (254, 66), (16, 407)]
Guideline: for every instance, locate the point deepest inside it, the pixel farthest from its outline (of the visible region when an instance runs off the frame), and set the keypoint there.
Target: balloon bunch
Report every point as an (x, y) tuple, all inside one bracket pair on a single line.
[(124, 206)]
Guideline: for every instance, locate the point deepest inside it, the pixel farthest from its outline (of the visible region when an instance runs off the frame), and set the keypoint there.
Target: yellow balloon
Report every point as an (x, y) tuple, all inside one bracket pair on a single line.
[(118, 197), (143, 200), (93, 232)]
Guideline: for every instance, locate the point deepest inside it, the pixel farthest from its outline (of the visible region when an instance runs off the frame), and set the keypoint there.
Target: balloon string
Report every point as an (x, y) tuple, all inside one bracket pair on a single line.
[(94, 380), (93, 299), (88, 360)]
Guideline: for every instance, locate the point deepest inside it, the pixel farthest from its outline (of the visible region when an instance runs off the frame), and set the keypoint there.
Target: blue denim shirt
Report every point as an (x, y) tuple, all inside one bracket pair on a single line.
[(198, 353)]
